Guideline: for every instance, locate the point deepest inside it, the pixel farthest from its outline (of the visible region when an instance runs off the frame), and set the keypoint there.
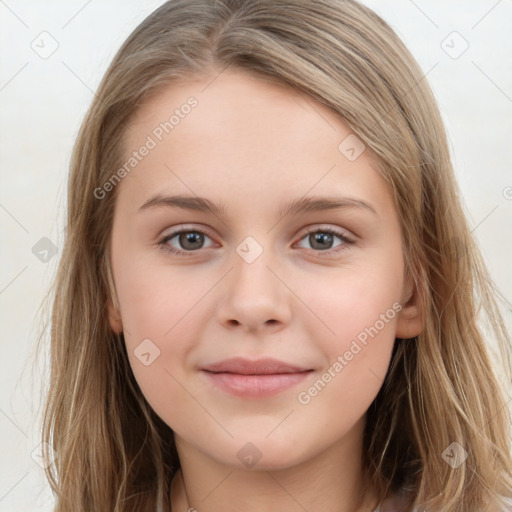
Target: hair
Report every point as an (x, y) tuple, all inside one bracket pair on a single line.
[(114, 452)]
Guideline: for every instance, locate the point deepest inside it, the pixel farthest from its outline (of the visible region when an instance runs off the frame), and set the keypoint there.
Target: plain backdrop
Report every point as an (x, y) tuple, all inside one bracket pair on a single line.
[(44, 97)]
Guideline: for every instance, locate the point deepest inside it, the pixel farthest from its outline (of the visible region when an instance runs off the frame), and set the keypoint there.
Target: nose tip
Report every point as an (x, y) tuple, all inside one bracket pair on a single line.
[(253, 295)]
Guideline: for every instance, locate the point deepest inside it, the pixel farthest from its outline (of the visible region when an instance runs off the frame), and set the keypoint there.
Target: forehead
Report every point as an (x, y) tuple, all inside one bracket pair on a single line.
[(235, 131), (231, 100)]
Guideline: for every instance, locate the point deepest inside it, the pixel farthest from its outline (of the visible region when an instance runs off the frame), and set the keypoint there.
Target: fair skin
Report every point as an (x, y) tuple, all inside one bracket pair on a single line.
[(253, 146)]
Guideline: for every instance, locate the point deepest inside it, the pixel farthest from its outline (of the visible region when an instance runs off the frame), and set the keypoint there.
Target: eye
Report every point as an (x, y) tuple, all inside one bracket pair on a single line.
[(321, 239), (189, 239)]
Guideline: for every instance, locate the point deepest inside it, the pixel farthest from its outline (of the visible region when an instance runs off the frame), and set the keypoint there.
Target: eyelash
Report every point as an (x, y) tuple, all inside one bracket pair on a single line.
[(167, 248)]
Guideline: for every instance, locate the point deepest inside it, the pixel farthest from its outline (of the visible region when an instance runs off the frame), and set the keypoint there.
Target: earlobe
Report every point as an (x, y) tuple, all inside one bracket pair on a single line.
[(116, 324), (410, 320), (114, 315)]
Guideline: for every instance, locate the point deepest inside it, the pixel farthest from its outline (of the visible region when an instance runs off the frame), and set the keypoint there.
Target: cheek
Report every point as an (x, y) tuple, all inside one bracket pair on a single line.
[(357, 359), (160, 311), (354, 302), (359, 314), (156, 299)]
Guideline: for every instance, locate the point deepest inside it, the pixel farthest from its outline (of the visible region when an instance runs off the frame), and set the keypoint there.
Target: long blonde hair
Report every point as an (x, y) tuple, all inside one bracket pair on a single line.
[(113, 452)]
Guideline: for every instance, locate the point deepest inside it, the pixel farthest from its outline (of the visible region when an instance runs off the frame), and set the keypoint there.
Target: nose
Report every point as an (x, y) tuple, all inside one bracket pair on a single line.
[(254, 296)]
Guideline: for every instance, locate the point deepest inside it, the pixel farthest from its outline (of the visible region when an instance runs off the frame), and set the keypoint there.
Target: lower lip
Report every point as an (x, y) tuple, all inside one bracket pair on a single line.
[(256, 386)]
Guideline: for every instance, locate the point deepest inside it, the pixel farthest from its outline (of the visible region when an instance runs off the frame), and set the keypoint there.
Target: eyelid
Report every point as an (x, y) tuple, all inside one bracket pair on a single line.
[(183, 228), (338, 231), (346, 237), (313, 228), (176, 230)]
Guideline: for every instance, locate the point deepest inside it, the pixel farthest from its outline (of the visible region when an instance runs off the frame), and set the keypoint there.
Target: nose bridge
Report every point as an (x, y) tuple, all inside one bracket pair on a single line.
[(252, 262), (254, 294)]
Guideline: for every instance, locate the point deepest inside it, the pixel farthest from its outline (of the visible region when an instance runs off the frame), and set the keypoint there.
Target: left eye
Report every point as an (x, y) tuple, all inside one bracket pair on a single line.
[(193, 240), (322, 239)]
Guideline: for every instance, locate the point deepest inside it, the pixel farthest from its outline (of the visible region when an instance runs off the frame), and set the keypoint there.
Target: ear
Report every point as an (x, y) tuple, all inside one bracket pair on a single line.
[(410, 320), (114, 316)]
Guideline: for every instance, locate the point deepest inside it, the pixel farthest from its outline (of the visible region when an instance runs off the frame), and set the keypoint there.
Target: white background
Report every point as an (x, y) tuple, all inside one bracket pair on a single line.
[(43, 102)]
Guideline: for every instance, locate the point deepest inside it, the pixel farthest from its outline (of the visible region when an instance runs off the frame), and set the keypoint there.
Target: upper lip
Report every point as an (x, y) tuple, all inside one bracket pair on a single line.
[(265, 366)]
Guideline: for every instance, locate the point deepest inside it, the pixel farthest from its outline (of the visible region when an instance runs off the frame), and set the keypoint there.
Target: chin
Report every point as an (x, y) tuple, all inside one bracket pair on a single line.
[(265, 454)]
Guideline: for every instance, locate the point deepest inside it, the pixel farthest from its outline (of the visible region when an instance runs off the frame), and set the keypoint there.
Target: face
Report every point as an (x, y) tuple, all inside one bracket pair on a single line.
[(236, 275)]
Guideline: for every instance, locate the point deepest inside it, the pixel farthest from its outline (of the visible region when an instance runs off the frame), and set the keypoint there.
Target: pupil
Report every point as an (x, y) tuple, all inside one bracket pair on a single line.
[(187, 240), (322, 238)]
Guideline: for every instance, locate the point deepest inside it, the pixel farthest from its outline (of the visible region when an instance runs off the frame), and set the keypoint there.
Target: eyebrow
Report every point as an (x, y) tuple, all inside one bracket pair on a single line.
[(302, 205)]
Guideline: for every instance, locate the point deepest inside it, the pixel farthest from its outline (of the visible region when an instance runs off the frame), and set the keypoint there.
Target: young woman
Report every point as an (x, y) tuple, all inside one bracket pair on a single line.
[(268, 295)]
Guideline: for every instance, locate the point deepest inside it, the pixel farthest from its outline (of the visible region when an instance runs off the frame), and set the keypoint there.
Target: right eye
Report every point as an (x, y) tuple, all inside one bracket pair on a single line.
[(190, 240)]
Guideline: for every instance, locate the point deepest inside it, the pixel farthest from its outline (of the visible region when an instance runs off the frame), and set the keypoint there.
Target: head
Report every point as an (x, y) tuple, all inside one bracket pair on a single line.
[(287, 83)]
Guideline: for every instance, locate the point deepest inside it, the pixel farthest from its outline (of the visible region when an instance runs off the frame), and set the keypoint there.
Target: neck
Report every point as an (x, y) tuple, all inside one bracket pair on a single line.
[(333, 480)]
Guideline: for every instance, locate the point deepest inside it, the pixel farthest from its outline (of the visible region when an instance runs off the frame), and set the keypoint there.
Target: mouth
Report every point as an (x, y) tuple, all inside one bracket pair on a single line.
[(257, 379)]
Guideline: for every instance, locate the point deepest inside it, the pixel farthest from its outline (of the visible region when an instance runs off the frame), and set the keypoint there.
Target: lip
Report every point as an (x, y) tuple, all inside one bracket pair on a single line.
[(259, 378), (264, 366)]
